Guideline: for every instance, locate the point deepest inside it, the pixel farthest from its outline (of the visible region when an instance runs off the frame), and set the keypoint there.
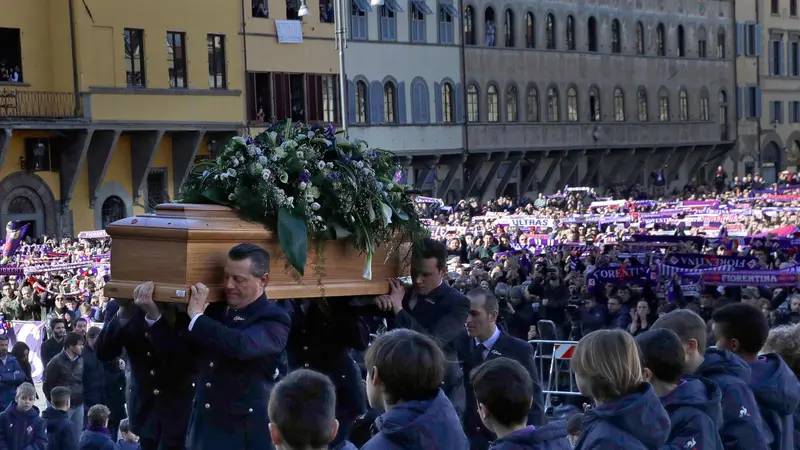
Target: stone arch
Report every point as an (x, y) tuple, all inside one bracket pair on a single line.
[(36, 190), (771, 137), (111, 189)]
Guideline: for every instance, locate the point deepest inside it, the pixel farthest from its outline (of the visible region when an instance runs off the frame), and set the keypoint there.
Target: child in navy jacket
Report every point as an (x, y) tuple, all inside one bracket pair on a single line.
[(21, 428), (129, 440), (785, 342), (693, 404), (96, 436)]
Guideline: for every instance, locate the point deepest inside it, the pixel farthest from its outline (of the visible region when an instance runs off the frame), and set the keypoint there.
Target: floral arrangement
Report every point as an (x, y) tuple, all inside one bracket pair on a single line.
[(307, 182)]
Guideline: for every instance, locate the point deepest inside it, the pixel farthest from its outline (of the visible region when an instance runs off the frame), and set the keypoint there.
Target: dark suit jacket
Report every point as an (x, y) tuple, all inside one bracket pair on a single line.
[(160, 388), (508, 347), (237, 352), (321, 341)]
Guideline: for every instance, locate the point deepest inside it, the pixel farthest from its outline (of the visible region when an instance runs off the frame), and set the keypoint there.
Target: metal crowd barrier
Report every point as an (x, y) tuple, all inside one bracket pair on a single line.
[(554, 362)]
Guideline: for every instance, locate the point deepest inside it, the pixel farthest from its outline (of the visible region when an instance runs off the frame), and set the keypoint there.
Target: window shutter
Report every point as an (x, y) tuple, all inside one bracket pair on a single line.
[(781, 59), (282, 100), (758, 40), (796, 58), (426, 104), (758, 101), (780, 112), (437, 101), (740, 38), (351, 102), (772, 58), (459, 95), (401, 102), (739, 102), (376, 102)]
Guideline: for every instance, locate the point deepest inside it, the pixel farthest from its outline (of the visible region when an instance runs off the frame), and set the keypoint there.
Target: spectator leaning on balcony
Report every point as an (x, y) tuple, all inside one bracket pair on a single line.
[(11, 374)]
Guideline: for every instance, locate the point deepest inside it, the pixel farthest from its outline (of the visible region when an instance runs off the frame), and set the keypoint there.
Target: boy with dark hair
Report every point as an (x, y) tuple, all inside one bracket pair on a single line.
[(693, 404), (742, 329), (21, 428), (129, 441), (504, 393), (302, 412), (405, 370), (61, 433), (741, 422), (96, 436)]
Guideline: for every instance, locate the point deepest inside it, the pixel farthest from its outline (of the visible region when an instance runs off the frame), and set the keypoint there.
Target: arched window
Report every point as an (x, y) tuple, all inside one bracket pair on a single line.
[(509, 28), (113, 209), (595, 114), (572, 105), (530, 31), (389, 103), (448, 114), (22, 205), (661, 49), (639, 38), (570, 33), (469, 25), (663, 105), (683, 105), (721, 43), (591, 34), (704, 107), (616, 38), (550, 31), (492, 104), (420, 106), (681, 41), (723, 115), (532, 104), (362, 116), (489, 27), (552, 104), (700, 34), (619, 105), (512, 114), (641, 105), (472, 103)]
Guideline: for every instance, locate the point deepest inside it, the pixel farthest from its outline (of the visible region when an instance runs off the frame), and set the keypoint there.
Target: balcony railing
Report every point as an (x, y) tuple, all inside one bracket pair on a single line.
[(17, 104)]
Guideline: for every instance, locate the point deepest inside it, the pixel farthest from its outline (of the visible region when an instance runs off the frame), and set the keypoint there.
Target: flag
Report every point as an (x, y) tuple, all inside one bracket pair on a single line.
[(14, 233)]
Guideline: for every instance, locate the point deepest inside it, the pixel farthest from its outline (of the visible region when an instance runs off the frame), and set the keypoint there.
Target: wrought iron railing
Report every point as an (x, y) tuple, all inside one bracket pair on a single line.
[(37, 104)]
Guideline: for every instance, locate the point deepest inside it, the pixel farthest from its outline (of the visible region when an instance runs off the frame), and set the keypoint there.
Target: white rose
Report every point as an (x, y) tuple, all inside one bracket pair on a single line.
[(223, 175), (289, 200), (360, 165), (251, 150), (318, 218), (263, 160), (231, 196), (303, 186), (315, 206), (320, 165), (299, 155), (309, 198), (231, 173), (266, 174), (235, 162), (329, 165)]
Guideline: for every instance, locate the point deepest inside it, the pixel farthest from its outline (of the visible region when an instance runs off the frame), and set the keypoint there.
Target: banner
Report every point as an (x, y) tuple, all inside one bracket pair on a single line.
[(693, 260), (524, 221), (619, 275), (768, 278)]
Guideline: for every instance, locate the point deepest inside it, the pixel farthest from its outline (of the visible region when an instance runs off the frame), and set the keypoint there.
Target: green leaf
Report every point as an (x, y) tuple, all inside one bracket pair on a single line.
[(293, 237), (215, 196)]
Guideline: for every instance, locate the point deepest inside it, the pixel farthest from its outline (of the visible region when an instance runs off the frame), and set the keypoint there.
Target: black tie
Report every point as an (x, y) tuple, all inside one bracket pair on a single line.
[(479, 349)]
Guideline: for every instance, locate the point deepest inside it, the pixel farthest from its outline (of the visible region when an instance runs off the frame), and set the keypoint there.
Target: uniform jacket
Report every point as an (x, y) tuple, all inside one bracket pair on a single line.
[(321, 342), (777, 394), (93, 378), (237, 352), (11, 376), (695, 415), (419, 425), (549, 437), (22, 430), (97, 438), (64, 371), (636, 421), (507, 347), (741, 421), (60, 430), (160, 388)]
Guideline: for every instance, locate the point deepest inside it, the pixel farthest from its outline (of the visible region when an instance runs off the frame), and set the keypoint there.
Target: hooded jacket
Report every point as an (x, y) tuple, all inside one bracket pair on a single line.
[(741, 421), (61, 433), (695, 415), (777, 394), (419, 425), (22, 430), (635, 421), (552, 436), (97, 438)]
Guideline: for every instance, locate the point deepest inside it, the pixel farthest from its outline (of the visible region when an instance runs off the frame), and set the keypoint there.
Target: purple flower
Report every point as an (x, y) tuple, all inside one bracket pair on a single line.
[(249, 141), (330, 132), (373, 155), (305, 176), (334, 176), (398, 176)]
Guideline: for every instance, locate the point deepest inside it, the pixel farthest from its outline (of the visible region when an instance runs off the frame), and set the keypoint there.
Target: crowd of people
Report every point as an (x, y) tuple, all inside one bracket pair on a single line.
[(685, 311)]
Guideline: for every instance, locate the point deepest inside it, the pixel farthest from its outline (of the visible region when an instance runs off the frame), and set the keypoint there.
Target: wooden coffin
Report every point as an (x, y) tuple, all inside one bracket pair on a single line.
[(183, 244)]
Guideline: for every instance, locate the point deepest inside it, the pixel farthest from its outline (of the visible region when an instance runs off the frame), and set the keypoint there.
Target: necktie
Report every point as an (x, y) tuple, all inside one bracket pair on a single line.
[(479, 349), (412, 302)]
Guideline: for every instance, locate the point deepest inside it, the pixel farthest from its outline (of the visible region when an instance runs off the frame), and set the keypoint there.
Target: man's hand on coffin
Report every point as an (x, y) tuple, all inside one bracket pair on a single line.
[(143, 298), (198, 300)]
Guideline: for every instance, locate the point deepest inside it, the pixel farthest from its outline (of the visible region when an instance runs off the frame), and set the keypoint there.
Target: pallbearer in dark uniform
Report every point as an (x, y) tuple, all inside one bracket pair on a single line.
[(236, 344), (159, 394), (433, 308), (482, 341), (322, 334)]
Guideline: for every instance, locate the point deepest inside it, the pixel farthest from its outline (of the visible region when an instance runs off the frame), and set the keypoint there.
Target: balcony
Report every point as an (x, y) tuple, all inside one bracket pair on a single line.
[(18, 104)]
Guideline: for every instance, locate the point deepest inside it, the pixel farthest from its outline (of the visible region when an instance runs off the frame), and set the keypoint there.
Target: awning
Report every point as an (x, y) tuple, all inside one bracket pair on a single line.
[(450, 9), (393, 6), (362, 5), (422, 6)]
